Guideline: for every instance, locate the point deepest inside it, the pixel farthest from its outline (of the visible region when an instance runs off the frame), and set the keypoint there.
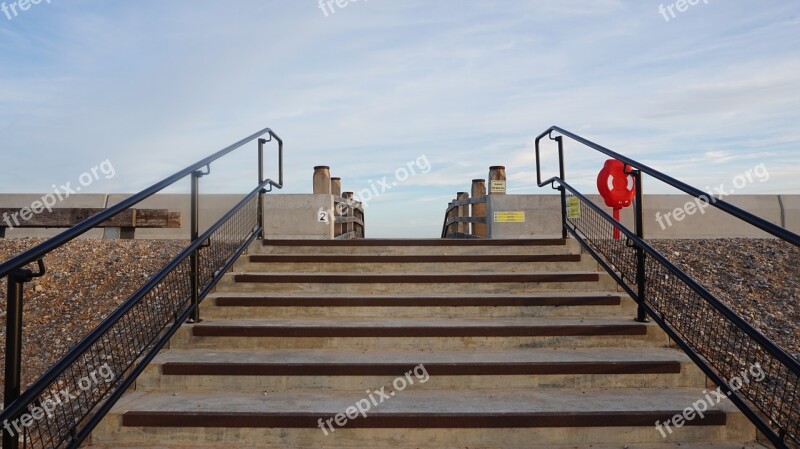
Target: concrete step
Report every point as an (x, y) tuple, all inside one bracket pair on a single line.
[(406, 416), (428, 283), (415, 247), (283, 263), (260, 305), (309, 370), (702, 445), (383, 334)]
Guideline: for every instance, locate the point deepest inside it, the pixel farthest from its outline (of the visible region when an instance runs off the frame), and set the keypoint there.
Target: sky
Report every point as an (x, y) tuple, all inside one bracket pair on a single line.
[(368, 87)]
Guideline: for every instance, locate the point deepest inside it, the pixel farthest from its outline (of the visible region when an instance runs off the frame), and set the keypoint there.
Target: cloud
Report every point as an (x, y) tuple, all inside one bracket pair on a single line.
[(154, 86)]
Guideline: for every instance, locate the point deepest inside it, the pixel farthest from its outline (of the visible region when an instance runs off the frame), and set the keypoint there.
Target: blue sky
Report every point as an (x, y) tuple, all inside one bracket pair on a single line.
[(156, 85)]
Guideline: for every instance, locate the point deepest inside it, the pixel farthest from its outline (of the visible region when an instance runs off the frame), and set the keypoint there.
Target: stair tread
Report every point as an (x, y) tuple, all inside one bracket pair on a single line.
[(417, 242), (593, 446), (567, 294), (421, 322), (484, 356), (544, 402)]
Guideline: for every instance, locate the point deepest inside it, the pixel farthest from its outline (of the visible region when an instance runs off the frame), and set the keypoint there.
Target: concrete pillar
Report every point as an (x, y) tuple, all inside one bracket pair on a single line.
[(336, 190), (479, 209), (463, 212), (322, 180), (497, 180)]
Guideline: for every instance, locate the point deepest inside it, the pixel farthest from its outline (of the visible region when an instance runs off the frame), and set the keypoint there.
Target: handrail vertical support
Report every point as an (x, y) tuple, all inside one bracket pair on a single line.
[(13, 359), (261, 193), (194, 258), (561, 171), (641, 280)]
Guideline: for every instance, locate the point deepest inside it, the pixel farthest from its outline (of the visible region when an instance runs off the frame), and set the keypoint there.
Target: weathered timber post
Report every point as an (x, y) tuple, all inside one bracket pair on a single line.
[(478, 209)]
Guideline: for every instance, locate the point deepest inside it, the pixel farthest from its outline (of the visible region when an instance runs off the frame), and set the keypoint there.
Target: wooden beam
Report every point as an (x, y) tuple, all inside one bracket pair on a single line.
[(68, 217)]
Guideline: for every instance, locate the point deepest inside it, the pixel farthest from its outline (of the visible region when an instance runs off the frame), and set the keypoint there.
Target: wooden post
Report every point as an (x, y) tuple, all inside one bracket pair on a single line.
[(450, 216), (478, 209), (463, 212), (348, 227), (497, 180), (336, 191), (322, 180)]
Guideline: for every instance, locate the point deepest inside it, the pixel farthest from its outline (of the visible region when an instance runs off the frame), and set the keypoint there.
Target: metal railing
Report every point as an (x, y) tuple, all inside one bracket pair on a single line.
[(717, 339), (128, 339), (459, 222), (349, 219)]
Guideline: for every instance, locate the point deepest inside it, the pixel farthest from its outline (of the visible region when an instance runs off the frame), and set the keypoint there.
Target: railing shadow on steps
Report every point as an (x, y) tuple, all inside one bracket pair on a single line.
[(129, 338), (715, 337)]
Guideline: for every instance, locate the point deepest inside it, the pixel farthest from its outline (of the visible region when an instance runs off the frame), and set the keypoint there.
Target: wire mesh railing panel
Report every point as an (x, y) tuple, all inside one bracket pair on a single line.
[(750, 368), (752, 371), (226, 241), (595, 228), (62, 408)]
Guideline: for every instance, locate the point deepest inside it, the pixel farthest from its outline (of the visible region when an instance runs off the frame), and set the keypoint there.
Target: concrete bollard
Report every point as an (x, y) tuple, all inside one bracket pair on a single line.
[(497, 180), (478, 209), (336, 186), (322, 180), (463, 212)]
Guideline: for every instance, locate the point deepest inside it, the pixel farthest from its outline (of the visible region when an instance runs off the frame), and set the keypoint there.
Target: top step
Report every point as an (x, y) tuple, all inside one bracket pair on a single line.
[(416, 247)]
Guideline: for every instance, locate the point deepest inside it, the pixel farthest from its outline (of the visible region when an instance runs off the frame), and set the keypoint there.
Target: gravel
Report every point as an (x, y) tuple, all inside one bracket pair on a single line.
[(758, 279), (86, 280)]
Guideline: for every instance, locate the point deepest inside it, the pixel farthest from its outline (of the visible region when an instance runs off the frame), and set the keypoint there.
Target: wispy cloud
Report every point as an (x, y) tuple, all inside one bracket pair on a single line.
[(156, 85)]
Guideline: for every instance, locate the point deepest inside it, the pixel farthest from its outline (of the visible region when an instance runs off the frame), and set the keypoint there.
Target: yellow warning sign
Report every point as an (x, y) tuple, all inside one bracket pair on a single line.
[(509, 217), (574, 207), (497, 186)]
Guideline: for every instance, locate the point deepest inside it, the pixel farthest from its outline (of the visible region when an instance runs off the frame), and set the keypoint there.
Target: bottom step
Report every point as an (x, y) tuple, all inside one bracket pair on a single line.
[(419, 418)]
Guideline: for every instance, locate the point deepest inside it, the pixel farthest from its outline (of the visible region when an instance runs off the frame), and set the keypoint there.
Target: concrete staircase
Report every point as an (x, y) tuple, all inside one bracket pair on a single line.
[(441, 344)]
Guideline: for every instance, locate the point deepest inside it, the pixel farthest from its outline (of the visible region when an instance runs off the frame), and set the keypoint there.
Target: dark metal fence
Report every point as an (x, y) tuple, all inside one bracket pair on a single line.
[(718, 340), (62, 407)]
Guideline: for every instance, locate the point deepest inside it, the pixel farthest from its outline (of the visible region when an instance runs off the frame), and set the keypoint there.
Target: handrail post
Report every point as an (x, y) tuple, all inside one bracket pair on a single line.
[(561, 173), (194, 258), (261, 193), (13, 369), (641, 273)]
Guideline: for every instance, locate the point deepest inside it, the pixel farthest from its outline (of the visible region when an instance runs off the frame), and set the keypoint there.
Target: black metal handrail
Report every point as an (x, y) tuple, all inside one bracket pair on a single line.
[(133, 334), (678, 303), (764, 225)]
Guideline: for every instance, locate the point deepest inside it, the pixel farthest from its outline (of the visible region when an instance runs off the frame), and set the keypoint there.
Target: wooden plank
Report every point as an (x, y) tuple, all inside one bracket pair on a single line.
[(68, 217)]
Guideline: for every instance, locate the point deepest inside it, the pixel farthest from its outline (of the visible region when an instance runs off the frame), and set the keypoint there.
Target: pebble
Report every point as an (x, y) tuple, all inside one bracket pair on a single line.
[(86, 280)]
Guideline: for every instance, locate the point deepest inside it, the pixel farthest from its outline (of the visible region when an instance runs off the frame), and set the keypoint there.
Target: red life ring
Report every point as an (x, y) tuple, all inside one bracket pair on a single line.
[(616, 187)]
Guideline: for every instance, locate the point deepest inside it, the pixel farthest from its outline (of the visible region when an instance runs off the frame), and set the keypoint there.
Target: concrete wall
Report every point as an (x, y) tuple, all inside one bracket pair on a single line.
[(287, 216), (295, 217), (543, 217)]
